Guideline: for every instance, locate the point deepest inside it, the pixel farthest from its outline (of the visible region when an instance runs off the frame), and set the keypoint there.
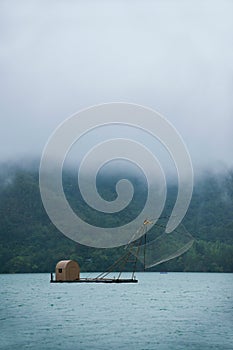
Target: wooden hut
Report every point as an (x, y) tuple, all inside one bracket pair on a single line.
[(67, 270)]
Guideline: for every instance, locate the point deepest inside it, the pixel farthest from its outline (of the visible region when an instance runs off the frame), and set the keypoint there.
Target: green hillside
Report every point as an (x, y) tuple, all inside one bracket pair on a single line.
[(29, 242)]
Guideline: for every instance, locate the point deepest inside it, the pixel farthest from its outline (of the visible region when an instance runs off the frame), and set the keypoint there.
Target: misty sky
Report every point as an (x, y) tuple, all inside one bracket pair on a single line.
[(59, 56)]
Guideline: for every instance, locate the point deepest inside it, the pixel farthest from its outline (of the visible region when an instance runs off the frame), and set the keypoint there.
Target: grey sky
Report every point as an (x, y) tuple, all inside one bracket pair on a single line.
[(176, 57)]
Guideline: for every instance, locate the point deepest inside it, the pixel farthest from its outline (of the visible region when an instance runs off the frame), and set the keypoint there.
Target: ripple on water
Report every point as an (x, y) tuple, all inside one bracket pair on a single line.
[(174, 311)]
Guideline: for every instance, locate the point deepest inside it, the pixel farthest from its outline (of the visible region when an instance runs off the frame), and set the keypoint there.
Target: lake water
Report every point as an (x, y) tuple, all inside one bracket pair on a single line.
[(163, 311)]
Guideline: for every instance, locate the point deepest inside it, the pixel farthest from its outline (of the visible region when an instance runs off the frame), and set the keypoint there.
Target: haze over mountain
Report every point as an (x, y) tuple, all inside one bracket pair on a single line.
[(29, 242), (175, 57)]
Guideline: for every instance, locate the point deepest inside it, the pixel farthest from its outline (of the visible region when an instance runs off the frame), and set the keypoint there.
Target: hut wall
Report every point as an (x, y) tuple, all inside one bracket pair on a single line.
[(67, 270)]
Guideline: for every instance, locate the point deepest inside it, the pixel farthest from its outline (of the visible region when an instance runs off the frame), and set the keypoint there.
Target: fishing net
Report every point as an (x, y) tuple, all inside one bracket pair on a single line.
[(164, 247)]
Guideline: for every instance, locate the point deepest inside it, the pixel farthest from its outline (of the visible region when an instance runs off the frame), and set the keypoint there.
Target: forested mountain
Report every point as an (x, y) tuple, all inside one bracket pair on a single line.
[(29, 242)]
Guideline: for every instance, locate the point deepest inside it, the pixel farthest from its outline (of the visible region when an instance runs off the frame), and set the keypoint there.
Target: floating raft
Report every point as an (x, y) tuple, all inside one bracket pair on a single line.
[(99, 280), (68, 271)]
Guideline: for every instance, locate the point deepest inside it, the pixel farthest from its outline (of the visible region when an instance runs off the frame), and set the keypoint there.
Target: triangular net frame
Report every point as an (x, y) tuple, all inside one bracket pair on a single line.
[(155, 248)]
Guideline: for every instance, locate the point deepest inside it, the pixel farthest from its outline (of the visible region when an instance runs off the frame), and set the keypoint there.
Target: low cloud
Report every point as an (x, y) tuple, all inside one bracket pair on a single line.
[(172, 56)]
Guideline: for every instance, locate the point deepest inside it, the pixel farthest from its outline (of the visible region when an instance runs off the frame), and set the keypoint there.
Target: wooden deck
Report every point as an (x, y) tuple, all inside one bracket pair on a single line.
[(99, 280)]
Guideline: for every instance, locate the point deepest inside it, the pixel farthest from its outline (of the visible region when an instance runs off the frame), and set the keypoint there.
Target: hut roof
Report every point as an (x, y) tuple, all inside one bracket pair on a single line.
[(63, 263)]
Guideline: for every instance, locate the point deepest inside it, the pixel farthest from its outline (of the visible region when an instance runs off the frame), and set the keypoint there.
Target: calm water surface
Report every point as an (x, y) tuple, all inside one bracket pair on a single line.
[(163, 311)]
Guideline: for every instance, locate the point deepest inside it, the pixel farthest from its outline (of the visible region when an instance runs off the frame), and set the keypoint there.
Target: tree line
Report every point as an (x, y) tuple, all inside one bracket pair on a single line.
[(29, 242)]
